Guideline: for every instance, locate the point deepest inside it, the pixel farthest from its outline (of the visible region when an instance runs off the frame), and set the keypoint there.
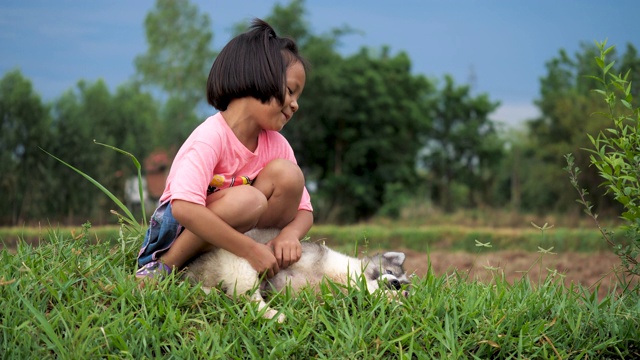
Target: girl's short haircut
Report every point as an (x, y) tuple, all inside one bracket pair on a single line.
[(252, 64)]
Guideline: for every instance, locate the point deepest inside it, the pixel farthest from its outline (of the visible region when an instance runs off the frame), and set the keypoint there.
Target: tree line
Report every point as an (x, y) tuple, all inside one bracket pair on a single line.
[(372, 137)]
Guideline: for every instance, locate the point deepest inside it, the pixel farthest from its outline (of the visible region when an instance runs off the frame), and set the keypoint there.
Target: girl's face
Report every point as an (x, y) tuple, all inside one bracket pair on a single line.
[(273, 116)]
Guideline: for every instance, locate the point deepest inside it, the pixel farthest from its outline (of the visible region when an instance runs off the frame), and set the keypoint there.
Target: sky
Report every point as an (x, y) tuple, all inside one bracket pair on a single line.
[(499, 47)]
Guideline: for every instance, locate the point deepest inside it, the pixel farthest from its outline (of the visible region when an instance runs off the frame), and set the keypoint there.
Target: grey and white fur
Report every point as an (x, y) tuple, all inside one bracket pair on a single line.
[(318, 262)]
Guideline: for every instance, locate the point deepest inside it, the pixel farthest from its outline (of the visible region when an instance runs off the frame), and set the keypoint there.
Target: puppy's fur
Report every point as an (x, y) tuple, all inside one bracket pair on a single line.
[(318, 262)]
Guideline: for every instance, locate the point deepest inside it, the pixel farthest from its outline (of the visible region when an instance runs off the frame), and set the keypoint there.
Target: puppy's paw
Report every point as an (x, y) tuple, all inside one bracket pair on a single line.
[(271, 313)]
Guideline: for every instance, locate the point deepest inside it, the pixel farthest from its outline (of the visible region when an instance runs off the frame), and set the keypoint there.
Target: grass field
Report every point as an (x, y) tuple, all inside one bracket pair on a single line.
[(74, 297), (419, 238)]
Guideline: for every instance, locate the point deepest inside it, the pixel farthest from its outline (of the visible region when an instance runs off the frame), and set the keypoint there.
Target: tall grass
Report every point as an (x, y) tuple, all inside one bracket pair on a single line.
[(77, 298)]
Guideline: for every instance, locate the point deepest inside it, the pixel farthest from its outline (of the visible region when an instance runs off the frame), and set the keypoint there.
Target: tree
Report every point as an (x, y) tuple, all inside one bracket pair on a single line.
[(463, 145), (78, 117), (87, 113), (136, 115), (357, 132), (630, 62), (177, 63), (289, 21), (567, 105), (24, 128)]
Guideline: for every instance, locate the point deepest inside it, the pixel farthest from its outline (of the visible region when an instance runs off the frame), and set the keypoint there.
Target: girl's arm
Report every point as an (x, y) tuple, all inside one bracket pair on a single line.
[(209, 227)]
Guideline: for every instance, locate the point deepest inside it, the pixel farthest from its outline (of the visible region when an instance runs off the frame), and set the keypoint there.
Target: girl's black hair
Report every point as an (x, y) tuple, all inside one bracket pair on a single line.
[(252, 64)]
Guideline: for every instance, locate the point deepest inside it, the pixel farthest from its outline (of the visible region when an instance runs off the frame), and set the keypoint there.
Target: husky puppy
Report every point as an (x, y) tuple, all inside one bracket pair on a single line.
[(318, 262)]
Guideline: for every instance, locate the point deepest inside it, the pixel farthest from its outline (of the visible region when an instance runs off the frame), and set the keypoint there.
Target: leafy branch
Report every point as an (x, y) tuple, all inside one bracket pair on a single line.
[(616, 156)]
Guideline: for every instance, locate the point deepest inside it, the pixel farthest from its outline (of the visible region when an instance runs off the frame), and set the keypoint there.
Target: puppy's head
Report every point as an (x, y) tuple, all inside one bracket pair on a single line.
[(386, 268)]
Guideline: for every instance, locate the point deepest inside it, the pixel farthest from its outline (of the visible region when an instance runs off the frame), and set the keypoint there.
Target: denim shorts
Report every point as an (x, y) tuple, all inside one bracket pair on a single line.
[(163, 231)]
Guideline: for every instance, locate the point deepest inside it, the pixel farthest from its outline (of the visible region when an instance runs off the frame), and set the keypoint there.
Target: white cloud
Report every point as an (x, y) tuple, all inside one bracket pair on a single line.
[(514, 114)]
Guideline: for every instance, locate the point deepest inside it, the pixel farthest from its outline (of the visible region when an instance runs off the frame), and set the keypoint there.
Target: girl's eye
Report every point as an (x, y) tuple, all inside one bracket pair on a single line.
[(290, 91)]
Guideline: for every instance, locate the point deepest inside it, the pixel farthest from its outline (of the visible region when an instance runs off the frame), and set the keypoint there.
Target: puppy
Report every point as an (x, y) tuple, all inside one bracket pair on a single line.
[(318, 262)]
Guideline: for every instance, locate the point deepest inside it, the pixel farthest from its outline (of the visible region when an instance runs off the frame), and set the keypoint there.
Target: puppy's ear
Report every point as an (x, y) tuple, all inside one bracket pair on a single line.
[(396, 258)]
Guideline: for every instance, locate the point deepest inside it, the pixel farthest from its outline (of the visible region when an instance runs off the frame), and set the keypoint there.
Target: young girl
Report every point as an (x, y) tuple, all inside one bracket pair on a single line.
[(236, 171)]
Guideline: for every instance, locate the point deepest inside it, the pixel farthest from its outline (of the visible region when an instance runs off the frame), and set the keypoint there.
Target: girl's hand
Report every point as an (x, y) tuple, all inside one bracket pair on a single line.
[(261, 258), (286, 248)]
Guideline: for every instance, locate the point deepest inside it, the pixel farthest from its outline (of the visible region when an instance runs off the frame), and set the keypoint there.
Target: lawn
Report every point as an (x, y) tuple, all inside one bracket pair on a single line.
[(74, 297)]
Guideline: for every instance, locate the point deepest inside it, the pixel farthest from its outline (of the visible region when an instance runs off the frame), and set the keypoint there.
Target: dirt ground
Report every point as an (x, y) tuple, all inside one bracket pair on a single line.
[(587, 269)]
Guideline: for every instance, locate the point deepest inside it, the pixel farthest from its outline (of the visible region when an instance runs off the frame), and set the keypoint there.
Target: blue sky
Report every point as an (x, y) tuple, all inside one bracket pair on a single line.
[(502, 44)]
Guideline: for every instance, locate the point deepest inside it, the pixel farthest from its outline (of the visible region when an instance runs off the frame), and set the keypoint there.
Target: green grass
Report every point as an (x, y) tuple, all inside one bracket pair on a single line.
[(418, 238), (76, 298), (35, 235), (458, 238)]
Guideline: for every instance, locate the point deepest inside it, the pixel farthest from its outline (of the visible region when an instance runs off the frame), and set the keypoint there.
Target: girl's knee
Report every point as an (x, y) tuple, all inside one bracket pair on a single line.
[(242, 197), (240, 207), (251, 196), (284, 174)]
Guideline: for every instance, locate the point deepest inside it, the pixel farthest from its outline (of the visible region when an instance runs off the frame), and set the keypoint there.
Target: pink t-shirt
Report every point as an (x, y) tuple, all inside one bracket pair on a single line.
[(213, 158)]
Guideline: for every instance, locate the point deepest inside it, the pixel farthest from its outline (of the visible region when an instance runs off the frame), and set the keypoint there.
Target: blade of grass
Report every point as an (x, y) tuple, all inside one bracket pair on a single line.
[(46, 327), (139, 168), (130, 218)]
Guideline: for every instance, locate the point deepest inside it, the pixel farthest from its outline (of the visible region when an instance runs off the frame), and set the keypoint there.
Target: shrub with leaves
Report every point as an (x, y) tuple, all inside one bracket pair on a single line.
[(616, 156)]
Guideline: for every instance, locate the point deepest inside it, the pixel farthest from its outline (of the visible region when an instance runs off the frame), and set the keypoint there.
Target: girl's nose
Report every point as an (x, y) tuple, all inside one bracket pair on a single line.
[(294, 105)]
